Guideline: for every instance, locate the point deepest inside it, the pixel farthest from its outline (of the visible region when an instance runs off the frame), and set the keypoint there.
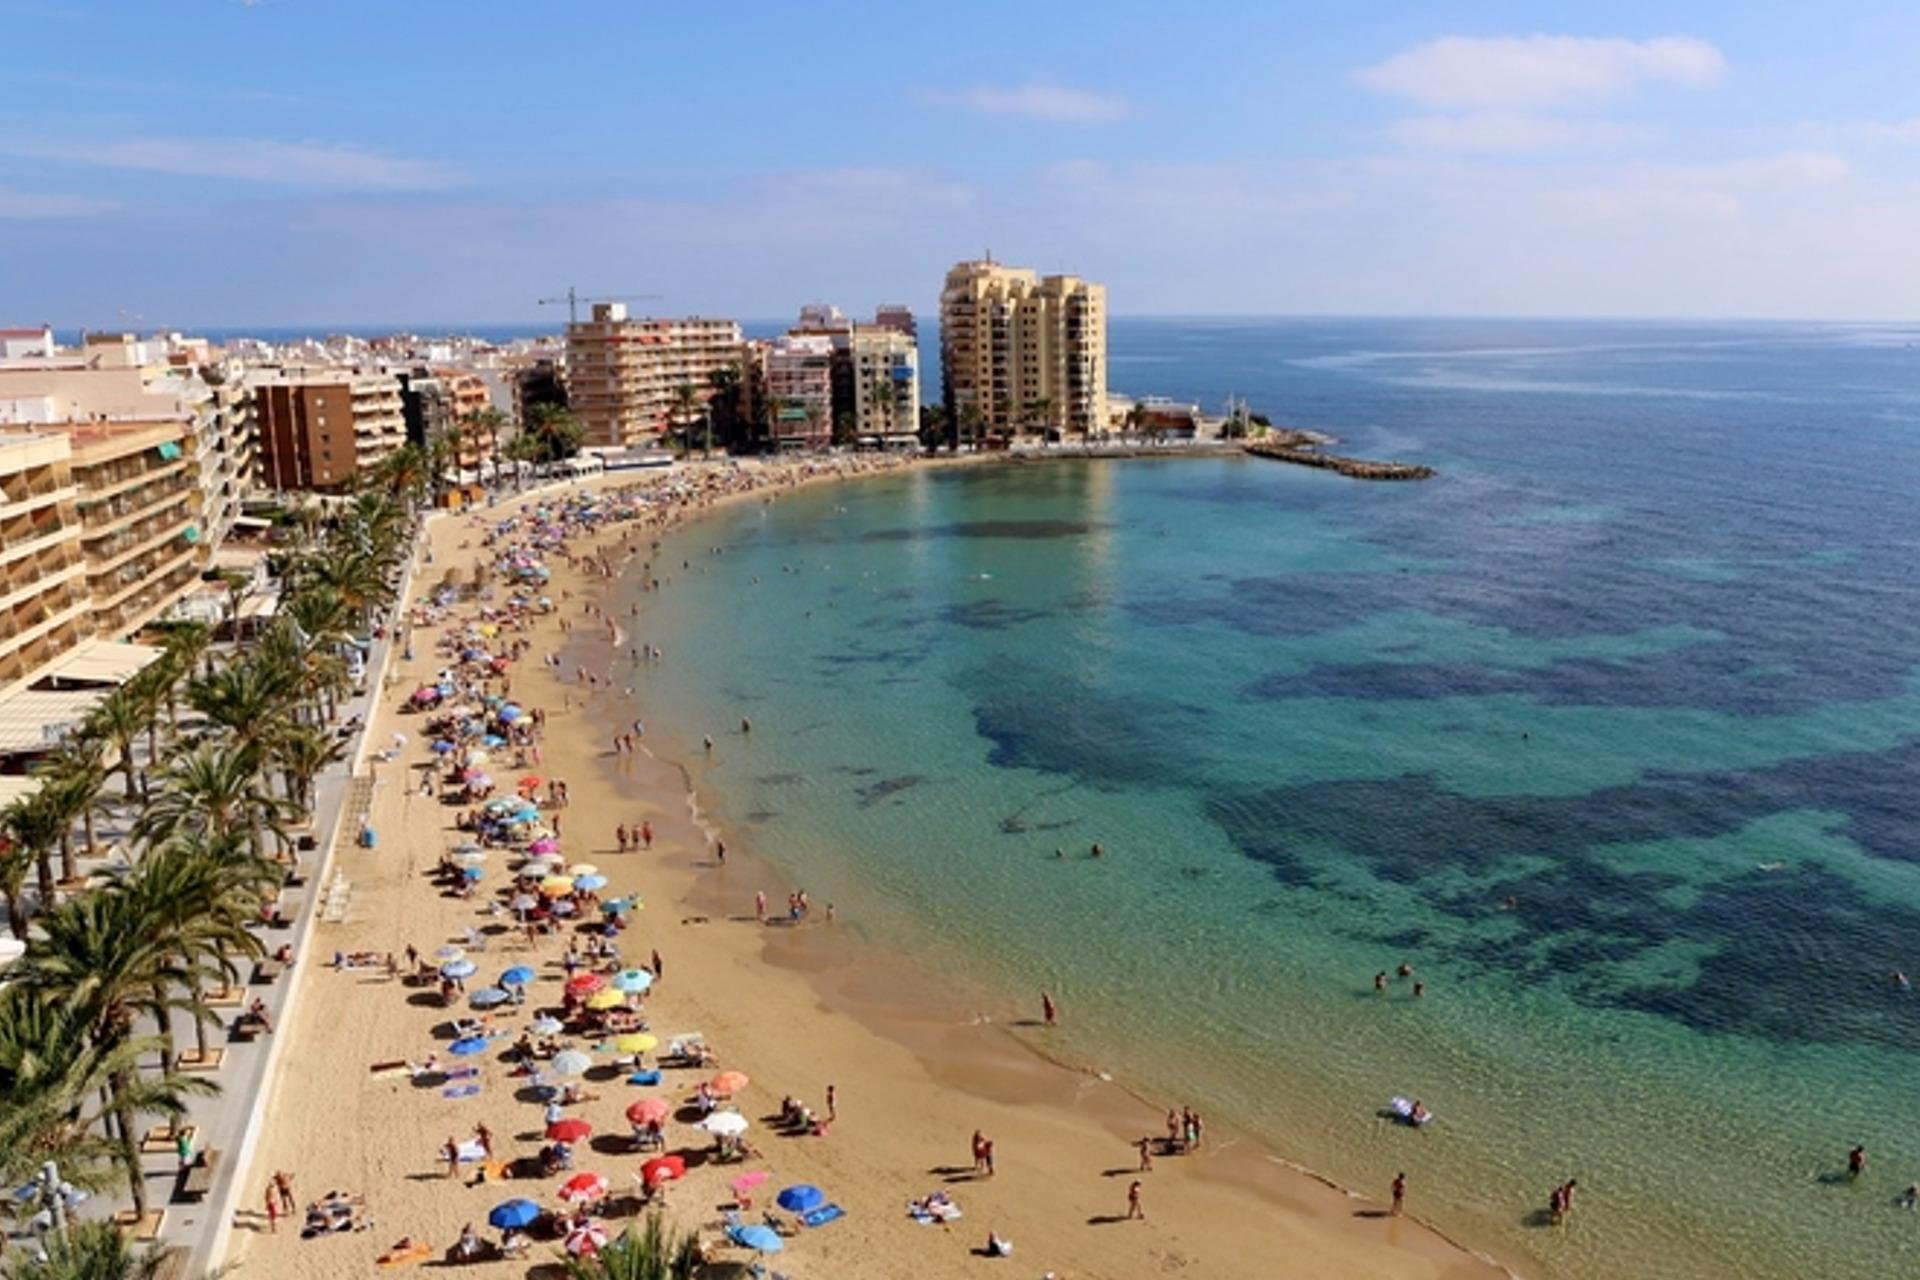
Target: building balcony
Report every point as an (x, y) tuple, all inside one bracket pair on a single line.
[(40, 575), (31, 491), (24, 657), (112, 478)]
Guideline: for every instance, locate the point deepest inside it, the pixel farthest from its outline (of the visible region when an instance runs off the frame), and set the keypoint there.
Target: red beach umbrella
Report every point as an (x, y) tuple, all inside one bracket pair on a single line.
[(649, 1110), (569, 1129), (662, 1169), (585, 984), (584, 1187)]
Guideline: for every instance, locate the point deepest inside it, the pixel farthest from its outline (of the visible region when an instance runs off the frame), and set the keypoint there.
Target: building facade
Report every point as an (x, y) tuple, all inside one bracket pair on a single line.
[(886, 387), (139, 510), (1021, 352), (624, 375), (799, 377), (318, 430), (44, 602)]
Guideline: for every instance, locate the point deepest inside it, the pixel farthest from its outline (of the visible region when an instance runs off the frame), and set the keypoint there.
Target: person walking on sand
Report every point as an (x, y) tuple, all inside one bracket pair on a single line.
[(1048, 1010), (273, 1209), (1134, 1209), (833, 1110), (1146, 1154), (646, 834), (1399, 1192), (283, 1186), (979, 1149)]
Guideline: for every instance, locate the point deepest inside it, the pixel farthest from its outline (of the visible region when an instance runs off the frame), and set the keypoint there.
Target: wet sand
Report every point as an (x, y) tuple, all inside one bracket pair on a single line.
[(796, 1008)]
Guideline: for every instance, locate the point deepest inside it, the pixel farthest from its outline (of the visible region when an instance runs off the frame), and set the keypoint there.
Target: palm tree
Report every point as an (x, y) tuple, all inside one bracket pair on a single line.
[(1041, 407), (551, 433), (34, 825), (302, 753), (106, 954), (69, 793), (490, 422), (118, 720), (201, 893), (215, 790), (243, 700), (685, 400), (53, 1075), (88, 1251), (654, 1254), (186, 643), (16, 864)]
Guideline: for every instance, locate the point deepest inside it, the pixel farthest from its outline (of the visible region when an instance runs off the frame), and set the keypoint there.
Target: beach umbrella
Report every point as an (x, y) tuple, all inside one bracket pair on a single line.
[(571, 1062), (590, 882), (724, 1124), (614, 906), (632, 980), (471, 873), (511, 1215), (564, 907), (748, 1181), (557, 886), (801, 1197), (583, 869), (569, 1129), (467, 846), (756, 1237), (487, 997), (524, 902), (584, 1187), (529, 781), (467, 1047), (457, 969), (508, 714), (649, 1110), (728, 1083), (608, 999), (584, 984), (662, 1169), (543, 846), (493, 740), (450, 952), (473, 859), (442, 746), (518, 976), (635, 1042), (546, 1025), (587, 1241)]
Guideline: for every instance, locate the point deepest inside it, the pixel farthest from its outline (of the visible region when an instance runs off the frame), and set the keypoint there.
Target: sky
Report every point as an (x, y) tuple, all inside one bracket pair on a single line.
[(213, 163)]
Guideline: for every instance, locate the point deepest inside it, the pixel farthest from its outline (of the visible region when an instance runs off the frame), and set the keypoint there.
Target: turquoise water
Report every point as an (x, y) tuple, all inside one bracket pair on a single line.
[(1641, 661)]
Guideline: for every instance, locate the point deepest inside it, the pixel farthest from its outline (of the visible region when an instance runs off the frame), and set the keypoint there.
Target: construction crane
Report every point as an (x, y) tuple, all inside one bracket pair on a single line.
[(573, 300)]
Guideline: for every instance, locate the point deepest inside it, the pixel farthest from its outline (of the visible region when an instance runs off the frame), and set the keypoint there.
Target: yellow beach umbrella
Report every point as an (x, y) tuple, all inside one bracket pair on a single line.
[(608, 999), (634, 1041), (583, 869), (557, 886)]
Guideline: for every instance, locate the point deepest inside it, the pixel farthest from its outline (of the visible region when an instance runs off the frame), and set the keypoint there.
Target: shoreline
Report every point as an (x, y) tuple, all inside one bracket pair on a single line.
[(1059, 1122)]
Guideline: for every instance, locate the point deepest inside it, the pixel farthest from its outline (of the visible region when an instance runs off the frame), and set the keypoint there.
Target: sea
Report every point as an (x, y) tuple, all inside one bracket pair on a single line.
[(1610, 732)]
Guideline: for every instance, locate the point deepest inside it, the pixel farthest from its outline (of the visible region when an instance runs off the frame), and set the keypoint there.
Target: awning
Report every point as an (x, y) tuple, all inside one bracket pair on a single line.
[(35, 720), (103, 662), (261, 606), (169, 450)]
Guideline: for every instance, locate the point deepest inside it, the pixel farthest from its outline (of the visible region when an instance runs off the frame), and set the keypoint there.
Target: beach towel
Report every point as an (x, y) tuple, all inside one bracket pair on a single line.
[(460, 1091), (823, 1215), (644, 1077), (470, 1151), (404, 1257), (464, 1073)]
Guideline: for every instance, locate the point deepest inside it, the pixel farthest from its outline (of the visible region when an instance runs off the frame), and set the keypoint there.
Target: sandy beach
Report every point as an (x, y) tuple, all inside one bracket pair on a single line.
[(795, 1008)]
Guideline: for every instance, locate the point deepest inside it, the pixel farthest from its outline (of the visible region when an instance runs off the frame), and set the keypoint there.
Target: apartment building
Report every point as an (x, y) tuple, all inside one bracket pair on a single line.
[(447, 403), (624, 374), (886, 387), (320, 428), (139, 511), (44, 601), (1022, 352), (798, 373)]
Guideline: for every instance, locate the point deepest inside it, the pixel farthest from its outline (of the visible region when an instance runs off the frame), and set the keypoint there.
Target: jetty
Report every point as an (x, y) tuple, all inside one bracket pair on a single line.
[(1291, 448)]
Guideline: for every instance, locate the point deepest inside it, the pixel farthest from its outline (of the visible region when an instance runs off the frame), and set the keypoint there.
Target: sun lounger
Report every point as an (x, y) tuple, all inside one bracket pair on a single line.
[(460, 1091), (823, 1215)]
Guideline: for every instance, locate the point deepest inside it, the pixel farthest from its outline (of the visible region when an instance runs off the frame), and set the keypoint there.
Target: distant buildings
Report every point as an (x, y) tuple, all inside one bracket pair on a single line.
[(625, 375), (831, 379), (448, 404), (1022, 352), (320, 428), (799, 382)]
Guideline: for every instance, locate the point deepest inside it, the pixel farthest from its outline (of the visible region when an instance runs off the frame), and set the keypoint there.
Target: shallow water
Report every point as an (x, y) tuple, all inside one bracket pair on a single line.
[(1642, 660)]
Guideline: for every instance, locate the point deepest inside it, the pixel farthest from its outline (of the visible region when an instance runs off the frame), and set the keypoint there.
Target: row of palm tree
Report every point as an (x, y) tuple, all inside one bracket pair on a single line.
[(203, 763)]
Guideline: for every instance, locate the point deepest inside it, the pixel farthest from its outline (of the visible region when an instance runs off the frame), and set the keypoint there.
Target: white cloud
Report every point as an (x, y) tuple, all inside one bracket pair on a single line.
[(1539, 70), (21, 206), (1054, 103), (1494, 131), (1898, 131), (300, 164), (1783, 169)]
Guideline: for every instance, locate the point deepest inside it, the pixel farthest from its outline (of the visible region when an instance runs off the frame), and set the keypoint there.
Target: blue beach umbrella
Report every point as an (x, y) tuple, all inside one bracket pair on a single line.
[(801, 1197), (468, 1047), (632, 980), (458, 969), (442, 746), (508, 714), (518, 976), (493, 740), (511, 1215), (756, 1237), (450, 952), (471, 873), (487, 997), (590, 883)]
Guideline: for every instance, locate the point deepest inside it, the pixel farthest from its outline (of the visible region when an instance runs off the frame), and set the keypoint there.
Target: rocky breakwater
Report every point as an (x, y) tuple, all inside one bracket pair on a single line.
[(1302, 449)]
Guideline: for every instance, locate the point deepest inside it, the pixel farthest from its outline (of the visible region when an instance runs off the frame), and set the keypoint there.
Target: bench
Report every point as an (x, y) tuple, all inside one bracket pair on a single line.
[(197, 1178), (245, 1027), (267, 972)]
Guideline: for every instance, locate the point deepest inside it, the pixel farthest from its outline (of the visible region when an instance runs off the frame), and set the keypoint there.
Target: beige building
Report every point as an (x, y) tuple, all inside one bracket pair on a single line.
[(623, 374), (140, 517), (798, 375), (43, 588), (1021, 352), (319, 428), (886, 387)]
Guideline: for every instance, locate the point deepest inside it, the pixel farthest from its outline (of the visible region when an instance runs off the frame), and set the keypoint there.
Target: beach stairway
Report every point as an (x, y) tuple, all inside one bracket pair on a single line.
[(333, 907)]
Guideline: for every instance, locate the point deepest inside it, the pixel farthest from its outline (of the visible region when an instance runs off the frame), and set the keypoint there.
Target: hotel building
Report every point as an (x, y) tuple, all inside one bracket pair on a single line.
[(43, 586), (1019, 351), (623, 374), (320, 428)]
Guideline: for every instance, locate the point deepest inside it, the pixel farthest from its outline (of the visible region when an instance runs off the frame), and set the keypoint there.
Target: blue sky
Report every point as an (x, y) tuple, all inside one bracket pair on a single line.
[(212, 162)]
